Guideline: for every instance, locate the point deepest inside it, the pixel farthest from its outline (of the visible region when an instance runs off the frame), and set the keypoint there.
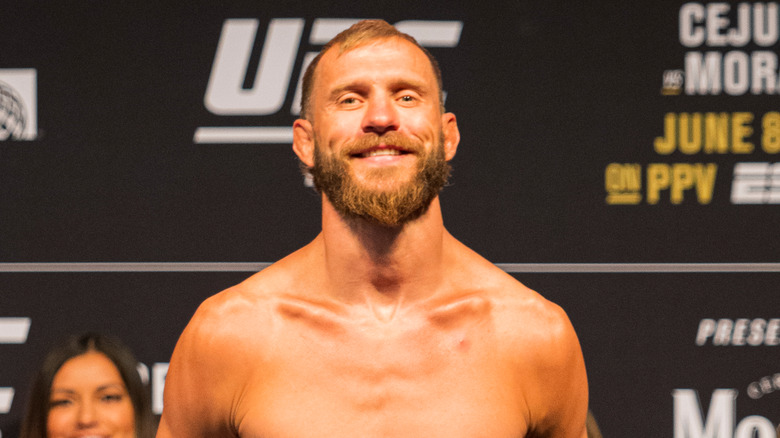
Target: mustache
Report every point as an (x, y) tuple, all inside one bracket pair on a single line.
[(372, 140)]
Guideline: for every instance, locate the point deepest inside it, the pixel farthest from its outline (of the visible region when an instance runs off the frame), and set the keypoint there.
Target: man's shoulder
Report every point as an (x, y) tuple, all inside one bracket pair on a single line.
[(225, 344), (247, 297), (511, 296), (521, 307), (238, 312), (537, 332), (252, 304), (530, 318)]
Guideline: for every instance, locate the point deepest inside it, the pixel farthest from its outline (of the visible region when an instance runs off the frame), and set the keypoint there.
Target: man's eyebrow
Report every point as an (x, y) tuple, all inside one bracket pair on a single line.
[(398, 84), (412, 84), (350, 86)]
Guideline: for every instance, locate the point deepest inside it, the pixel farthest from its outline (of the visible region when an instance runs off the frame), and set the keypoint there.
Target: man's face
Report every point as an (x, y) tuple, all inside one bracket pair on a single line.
[(380, 151)]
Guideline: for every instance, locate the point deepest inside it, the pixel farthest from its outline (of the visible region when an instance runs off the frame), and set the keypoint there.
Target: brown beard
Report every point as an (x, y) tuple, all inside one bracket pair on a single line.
[(393, 207)]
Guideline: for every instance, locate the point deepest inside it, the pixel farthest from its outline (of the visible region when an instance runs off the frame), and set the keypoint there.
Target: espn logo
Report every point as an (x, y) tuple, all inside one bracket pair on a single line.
[(756, 183)]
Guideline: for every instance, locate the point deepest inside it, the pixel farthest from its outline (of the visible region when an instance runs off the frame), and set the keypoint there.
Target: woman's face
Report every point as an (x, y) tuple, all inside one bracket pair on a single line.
[(89, 400)]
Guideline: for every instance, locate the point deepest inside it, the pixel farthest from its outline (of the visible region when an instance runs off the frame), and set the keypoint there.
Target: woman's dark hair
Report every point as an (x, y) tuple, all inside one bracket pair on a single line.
[(36, 417)]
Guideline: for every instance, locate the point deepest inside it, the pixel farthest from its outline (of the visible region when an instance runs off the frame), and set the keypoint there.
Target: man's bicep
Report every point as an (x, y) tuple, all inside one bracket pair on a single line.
[(192, 400), (572, 384), (182, 415), (560, 396)]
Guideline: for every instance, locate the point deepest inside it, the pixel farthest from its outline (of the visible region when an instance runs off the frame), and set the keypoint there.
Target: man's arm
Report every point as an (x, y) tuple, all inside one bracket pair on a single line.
[(558, 398), (198, 388)]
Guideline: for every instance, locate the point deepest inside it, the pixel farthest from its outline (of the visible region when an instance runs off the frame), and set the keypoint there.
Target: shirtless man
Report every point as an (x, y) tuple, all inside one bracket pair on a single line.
[(384, 325)]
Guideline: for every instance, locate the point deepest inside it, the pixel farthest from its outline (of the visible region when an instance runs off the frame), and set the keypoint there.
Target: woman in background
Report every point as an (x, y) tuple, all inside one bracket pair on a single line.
[(88, 385)]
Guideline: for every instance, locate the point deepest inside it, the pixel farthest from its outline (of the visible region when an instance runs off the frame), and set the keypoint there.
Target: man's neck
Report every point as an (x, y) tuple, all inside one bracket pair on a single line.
[(381, 265)]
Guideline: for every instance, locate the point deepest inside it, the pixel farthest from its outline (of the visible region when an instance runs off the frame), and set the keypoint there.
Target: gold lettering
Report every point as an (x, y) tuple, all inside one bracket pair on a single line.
[(623, 183), (690, 133), (667, 144), (658, 178), (770, 137), (740, 129), (705, 181), (679, 178), (716, 133), (682, 180)]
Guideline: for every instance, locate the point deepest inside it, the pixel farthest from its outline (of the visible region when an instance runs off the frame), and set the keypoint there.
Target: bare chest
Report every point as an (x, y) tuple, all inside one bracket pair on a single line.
[(369, 380)]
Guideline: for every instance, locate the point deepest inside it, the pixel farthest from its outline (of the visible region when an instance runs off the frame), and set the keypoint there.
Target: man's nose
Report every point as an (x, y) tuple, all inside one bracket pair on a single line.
[(381, 115)]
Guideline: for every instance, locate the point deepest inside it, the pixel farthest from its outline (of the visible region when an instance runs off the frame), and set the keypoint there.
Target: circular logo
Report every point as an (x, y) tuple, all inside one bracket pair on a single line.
[(12, 113)]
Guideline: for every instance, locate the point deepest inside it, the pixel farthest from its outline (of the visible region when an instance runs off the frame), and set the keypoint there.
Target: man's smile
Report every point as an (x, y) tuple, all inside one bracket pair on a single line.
[(380, 151)]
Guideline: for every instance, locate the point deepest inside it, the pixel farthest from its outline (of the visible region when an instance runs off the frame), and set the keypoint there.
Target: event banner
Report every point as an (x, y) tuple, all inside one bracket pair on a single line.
[(619, 158)]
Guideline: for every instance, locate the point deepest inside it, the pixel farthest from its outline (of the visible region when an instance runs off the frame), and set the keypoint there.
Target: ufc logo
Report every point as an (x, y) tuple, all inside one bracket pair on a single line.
[(227, 96)]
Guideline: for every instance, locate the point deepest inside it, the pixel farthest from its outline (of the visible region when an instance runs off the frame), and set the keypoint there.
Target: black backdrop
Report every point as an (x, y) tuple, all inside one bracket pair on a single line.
[(115, 216)]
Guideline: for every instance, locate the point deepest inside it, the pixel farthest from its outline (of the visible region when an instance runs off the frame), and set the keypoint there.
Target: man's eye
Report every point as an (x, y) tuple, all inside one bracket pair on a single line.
[(349, 101), (407, 98)]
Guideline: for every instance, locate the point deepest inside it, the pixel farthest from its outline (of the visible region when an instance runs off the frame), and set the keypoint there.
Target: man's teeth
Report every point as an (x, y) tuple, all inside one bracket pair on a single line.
[(380, 152)]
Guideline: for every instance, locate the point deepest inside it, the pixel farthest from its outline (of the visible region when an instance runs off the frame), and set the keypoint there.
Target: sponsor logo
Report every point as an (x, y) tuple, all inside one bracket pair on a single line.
[(12, 331), (18, 104), (272, 77), (673, 81), (738, 332), (764, 386), (720, 421)]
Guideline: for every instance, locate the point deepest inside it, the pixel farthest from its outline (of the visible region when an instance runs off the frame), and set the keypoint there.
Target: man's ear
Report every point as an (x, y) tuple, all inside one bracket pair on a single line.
[(449, 126), (303, 141)]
